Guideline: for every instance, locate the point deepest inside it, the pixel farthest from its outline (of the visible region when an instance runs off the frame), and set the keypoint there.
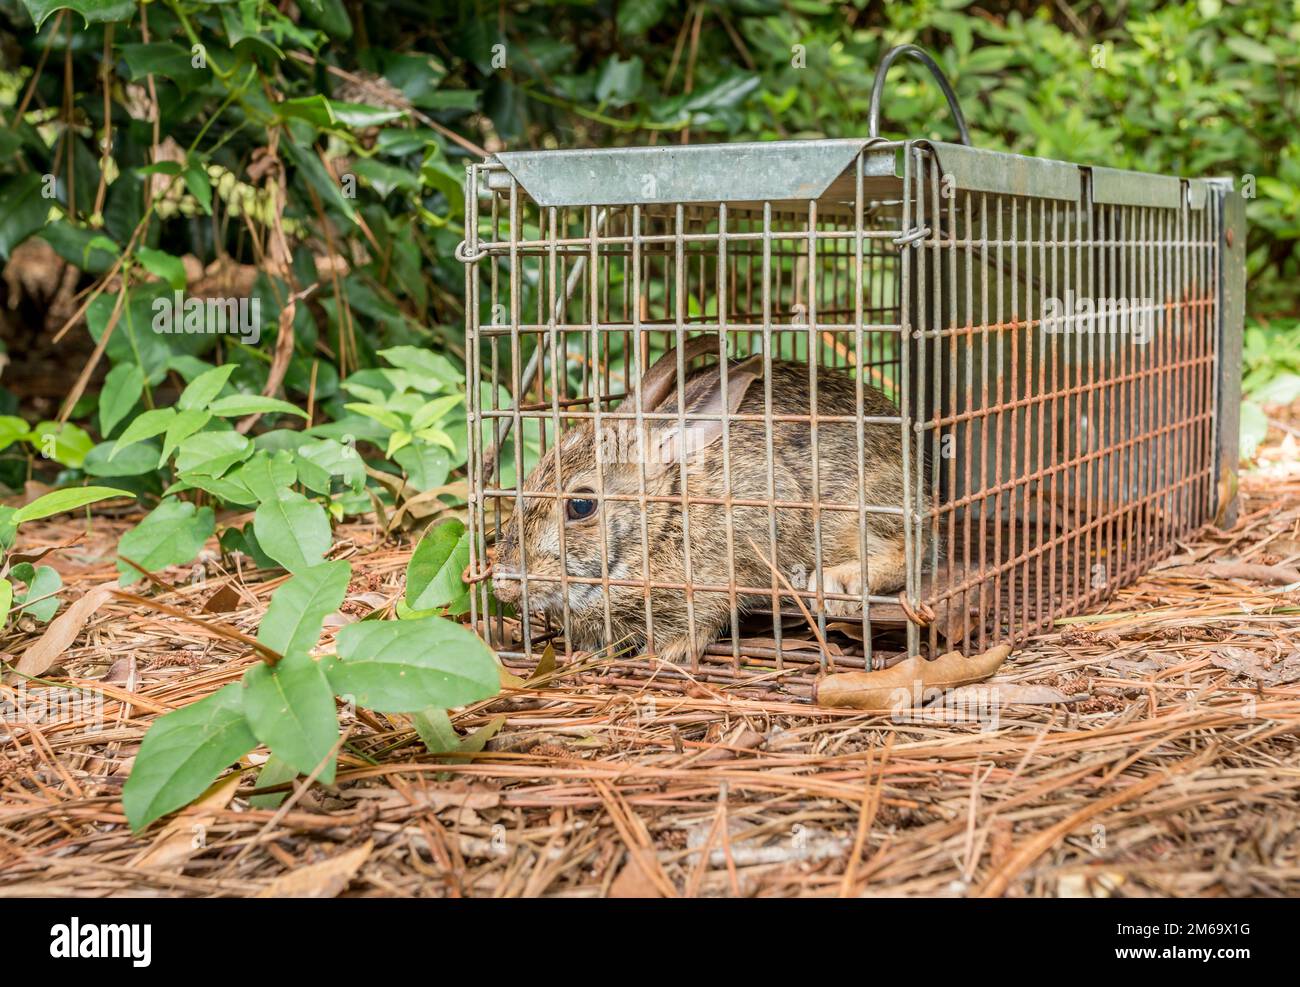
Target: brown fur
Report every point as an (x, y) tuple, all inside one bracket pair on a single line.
[(591, 626)]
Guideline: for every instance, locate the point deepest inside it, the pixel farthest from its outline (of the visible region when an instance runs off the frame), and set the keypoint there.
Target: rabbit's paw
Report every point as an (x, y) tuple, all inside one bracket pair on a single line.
[(684, 649), (845, 578)]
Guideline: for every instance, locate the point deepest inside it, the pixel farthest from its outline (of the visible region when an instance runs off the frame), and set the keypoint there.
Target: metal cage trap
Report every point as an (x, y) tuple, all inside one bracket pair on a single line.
[(739, 410)]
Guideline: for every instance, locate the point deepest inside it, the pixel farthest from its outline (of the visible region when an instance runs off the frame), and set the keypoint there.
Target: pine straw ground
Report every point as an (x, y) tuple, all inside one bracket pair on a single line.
[(1172, 769)]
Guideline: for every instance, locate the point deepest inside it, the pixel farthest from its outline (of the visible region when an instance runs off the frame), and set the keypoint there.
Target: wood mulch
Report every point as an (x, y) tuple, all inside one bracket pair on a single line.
[(1171, 768)]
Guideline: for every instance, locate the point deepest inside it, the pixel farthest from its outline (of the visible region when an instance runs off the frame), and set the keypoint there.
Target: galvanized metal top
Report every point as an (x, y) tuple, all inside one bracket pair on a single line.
[(743, 172), (809, 170)]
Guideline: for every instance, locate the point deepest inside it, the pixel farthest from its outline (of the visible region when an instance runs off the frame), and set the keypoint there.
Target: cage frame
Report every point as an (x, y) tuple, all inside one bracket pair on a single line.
[(769, 178)]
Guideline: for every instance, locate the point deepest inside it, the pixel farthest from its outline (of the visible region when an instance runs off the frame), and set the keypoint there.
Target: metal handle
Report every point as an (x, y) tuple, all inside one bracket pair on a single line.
[(878, 86)]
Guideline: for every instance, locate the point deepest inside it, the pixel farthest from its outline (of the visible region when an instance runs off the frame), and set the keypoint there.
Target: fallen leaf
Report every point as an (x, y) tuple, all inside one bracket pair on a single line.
[(63, 630), (908, 681), (633, 882), (1253, 665), (36, 554), (326, 879), (545, 665), (223, 600), (1009, 693)]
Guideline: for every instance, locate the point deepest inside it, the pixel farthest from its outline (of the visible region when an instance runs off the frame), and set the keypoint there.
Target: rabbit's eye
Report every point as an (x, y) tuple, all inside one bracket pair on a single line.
[(579, 509)]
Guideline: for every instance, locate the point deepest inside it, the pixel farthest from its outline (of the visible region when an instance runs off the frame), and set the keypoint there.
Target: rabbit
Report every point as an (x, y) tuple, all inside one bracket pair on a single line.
[(566, 531)]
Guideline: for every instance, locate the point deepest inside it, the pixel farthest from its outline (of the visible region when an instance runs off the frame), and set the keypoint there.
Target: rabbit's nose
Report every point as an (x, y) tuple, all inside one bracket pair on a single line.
[(505, 590)]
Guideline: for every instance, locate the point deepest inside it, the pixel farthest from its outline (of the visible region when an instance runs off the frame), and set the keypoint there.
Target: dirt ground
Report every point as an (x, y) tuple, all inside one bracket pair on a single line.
[(1152, 749)]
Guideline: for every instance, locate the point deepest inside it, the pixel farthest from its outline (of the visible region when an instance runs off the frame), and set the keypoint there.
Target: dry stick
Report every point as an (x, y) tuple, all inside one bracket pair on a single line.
[(154, 110), (812, 624), (36, 76), (83, 378), (102, 286), (345, 310), (692, 889), (105, 70)]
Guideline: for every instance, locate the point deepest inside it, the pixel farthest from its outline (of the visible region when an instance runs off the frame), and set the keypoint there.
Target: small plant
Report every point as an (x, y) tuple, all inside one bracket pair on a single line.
[(207, 455), (39, 599), (287, 702)]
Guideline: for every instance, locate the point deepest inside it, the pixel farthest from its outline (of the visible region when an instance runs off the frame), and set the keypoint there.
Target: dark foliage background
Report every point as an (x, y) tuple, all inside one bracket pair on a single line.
[(311, 154)]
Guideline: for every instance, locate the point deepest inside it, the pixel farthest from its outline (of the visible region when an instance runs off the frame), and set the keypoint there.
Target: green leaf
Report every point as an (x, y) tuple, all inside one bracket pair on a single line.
[(433, 574), (435, 410), (42, 583), (185, 424), (8, 527), (88, 250), (163, 265), (362, 115), (619, 82), (64, 443), (203, 388), (315, 109), (92, 11), (385, 417), (274, 772), (12, 428), (140, 458), (212, 453), (427, 465), (158, 58), (243, 540), (183, 752), (385, 178), (297, 610), (22, 211), (145, 425), (424, 363), (1251, 50), (332, 458), (122, 389), (268, 475), (238, 405), (200, 186), (292, 530), (172, 533), (408, 665), (314, 173), (1254, 429), (290, 709), (58, 501), (229, 490), (635, 17), (6, 600), (331, 16), (435, 730), (397, 441)]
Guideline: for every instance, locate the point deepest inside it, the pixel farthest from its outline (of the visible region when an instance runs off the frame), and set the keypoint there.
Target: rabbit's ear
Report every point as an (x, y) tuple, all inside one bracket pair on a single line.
[(660, 380), (704, 397)]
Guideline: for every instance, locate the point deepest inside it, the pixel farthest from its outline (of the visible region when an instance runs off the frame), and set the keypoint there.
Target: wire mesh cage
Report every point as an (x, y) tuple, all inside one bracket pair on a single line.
[(742, 410)]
